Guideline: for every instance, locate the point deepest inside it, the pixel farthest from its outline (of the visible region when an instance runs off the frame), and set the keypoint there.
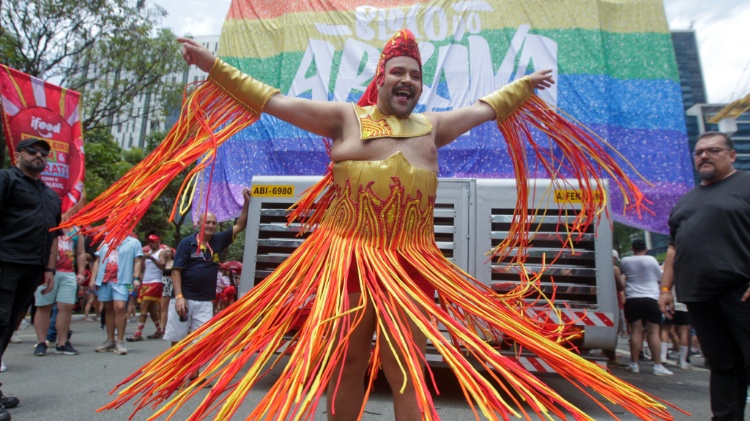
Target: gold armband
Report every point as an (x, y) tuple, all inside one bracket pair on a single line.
[(251, 93), (504, 101)]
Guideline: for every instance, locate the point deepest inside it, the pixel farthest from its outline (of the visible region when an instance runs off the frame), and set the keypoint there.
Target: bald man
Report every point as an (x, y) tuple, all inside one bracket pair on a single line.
[(196, 264)]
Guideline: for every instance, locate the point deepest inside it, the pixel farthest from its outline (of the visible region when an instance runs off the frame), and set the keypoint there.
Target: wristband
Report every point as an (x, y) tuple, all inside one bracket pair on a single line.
[(179, 296), (506, 100), (251, 93), (51, 270), (666, 289), (136, 279)]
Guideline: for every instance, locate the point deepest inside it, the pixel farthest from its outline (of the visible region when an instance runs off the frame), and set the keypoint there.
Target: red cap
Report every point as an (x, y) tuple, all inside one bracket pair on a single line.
[(153, 237), (403, 43)]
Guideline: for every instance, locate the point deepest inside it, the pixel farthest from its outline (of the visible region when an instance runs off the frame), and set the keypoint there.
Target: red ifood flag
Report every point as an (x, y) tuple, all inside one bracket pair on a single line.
[(33, 108)]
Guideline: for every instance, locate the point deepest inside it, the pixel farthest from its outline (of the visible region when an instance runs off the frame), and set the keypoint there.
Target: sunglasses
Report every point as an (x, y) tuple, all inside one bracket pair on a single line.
[(33, 151)]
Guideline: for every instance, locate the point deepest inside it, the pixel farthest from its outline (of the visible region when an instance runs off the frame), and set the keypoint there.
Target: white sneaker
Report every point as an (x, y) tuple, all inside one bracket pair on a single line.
[(633, 368), (2, 366), (120, 349), (15, 339), (685, 365), (660, 370)]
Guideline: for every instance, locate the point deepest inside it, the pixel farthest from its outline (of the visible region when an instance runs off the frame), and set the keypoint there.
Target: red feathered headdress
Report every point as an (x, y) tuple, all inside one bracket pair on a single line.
[(403, 43)]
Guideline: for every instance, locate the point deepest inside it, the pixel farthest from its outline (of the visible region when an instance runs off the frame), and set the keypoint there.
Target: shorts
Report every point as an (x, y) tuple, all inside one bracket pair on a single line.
[(679, 318), (150, 292), (167, 286), (110, 291), (199, 313), (64, 290), (352, 282), (642, 308)]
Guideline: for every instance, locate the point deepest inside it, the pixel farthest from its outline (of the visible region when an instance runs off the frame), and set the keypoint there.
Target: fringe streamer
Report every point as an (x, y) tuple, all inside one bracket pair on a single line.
[(208, 118), (236, 349)]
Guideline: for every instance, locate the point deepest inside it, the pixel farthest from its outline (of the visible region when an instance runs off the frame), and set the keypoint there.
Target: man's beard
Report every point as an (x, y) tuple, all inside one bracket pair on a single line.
[(709, 172), (34, 165), (707, 175)]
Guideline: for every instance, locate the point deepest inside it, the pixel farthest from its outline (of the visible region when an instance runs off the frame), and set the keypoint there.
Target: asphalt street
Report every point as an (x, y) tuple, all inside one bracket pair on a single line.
[(72, 387)]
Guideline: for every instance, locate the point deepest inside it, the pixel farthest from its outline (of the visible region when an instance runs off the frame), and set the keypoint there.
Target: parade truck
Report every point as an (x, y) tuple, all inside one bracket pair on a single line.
[(472, 216)]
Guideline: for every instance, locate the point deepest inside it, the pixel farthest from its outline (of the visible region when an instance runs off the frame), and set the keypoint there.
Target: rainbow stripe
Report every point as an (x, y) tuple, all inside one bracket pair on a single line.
[(614, 61)]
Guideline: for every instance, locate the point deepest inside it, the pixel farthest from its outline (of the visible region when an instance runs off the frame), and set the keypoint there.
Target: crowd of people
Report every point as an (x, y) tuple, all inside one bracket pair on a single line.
[(98, 290), (67, 270), (637, 277)]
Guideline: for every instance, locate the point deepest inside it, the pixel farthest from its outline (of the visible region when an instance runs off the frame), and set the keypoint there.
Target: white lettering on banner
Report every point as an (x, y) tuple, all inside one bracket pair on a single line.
[(453, 61), (411, 22), (363, 16), (434, 23), (52, 182), (351, 58), (435, 17), (44, 128), (55, 169), (320, 54)]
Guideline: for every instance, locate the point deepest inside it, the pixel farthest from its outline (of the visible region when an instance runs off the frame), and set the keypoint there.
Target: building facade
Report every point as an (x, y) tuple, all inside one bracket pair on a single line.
[(691, 78), (698, 111)]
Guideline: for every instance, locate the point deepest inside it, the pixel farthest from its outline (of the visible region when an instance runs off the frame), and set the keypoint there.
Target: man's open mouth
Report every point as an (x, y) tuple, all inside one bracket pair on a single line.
[(404, 93)]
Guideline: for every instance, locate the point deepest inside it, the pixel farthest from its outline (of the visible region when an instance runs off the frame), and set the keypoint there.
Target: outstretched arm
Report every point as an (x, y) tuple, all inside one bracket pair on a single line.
[(320, 117), (242, 220), (500, 104)]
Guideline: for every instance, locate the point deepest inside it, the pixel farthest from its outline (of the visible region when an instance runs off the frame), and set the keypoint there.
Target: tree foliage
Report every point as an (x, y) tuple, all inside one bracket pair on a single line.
[(104, 162), (108, 50), (158, 213), (622, 237)]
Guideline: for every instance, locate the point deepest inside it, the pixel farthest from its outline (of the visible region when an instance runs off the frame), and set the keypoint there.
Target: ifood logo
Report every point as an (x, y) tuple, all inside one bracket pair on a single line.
[(43, 128)]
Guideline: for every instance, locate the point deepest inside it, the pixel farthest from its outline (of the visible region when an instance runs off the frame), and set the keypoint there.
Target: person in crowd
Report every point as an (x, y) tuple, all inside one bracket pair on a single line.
[(619, 281), (91, 246), (677, 331), (196, 264), (29, 210), (642, 274), (708, 263), (150, 292), (90, 303), (225, 290), (115, 272), (132, 307), (69, 273), (167, 260)]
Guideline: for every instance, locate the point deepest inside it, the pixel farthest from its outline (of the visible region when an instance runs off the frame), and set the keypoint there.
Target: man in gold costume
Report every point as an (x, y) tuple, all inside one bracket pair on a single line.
[(371, 268), (381, 140)]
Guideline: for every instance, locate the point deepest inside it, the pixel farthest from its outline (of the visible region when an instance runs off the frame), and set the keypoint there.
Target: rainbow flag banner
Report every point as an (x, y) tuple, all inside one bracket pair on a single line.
[(613, 61)]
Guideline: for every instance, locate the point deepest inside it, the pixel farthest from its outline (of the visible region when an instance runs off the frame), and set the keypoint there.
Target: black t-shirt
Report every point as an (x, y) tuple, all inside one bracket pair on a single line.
[(199, 268), (710, 229), (28, 210)]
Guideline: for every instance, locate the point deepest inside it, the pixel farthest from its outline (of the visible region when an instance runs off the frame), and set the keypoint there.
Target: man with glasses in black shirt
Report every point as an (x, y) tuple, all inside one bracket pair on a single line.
[(708, 262), (28, 250)]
